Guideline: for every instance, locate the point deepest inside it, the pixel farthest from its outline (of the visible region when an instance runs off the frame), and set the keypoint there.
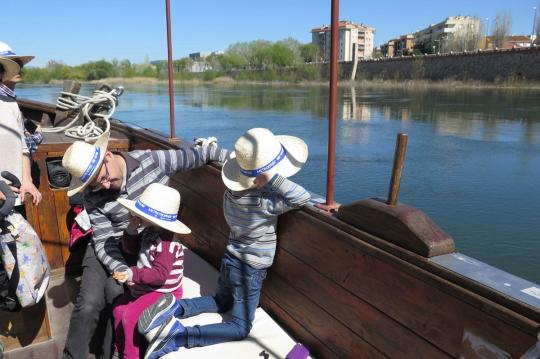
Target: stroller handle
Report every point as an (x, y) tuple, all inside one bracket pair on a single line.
[(11, 197)]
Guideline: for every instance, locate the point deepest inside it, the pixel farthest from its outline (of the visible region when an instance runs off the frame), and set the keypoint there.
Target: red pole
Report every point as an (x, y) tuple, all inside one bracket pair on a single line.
[(332, 103), (170, 65)]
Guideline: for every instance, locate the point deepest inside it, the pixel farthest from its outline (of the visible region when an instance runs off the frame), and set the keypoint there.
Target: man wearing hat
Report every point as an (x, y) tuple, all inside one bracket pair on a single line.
[(15, 153), (105, 177)]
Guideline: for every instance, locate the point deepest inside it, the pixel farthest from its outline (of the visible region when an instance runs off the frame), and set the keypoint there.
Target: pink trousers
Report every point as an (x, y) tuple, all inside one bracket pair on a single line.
[(126, 312)]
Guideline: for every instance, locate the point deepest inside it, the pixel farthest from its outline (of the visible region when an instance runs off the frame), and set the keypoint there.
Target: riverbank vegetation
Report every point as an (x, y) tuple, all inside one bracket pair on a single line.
[(285, 60)]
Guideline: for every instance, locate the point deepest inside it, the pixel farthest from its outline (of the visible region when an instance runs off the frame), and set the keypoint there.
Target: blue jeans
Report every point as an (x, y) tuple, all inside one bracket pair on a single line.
[(239, 289)]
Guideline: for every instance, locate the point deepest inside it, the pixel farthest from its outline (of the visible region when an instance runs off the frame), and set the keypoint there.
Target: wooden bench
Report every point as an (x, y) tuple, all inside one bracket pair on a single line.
[(266, 336)]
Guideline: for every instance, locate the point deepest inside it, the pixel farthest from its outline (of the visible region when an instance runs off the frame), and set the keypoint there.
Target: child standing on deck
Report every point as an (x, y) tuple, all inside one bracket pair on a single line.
[(160, 265), (258, 192)]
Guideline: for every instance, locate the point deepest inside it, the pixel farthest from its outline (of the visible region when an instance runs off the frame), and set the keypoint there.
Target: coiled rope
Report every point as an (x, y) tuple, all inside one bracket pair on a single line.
[(98, 108)]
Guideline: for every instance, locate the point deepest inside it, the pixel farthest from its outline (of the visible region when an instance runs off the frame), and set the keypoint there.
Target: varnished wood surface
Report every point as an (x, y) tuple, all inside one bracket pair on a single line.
[(58, 142), (399, 309), (406, 226)]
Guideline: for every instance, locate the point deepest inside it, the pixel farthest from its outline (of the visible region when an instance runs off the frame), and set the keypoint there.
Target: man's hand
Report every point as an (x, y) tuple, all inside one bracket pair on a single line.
[(28, 187), (2, 196), (262, 179), (205, 141)]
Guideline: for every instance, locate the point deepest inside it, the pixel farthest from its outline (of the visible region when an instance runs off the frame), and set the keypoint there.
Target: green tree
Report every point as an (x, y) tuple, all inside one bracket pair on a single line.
[(281, 55), (310, 53), (96, 70)]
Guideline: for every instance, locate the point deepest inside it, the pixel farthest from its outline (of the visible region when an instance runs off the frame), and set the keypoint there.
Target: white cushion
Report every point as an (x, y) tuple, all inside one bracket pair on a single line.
[(266, 335)]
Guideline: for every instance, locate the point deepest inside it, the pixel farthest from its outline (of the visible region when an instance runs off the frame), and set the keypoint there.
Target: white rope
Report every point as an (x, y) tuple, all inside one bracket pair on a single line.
[(90, 130)]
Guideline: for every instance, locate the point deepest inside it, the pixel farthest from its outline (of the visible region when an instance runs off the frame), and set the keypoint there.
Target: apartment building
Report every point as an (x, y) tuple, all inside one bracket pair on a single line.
[(403, 45), (438, 37), (354, 40)]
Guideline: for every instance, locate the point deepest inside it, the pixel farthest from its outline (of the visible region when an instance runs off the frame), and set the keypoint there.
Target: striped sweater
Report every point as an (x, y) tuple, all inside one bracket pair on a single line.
[(252, 217), (161, 259), (109, 219)]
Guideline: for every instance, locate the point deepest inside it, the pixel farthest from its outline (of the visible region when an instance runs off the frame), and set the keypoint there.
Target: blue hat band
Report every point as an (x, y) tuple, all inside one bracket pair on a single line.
[(154, 212), (271, 164), (8, 53), (92, 166)]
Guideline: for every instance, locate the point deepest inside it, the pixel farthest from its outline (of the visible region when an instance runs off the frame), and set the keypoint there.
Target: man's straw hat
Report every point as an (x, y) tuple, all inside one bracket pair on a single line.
[(11, 68), (83, 161), (7, 51), (158, 204), (259, 150)]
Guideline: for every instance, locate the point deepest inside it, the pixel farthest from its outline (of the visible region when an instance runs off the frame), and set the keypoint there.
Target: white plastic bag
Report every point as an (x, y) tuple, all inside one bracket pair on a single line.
[(30, 265)]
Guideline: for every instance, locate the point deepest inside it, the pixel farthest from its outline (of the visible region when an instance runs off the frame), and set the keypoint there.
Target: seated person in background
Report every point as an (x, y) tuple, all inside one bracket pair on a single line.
[(104, 177), (15, 154), (160, 266), (258, 192)]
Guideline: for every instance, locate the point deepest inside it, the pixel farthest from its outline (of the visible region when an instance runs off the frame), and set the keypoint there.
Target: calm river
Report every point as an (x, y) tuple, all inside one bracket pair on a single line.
[(473, 159)]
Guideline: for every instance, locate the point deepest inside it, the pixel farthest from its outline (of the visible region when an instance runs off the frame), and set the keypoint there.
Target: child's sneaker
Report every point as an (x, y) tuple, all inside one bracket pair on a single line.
[(170, 337), (157, 314)]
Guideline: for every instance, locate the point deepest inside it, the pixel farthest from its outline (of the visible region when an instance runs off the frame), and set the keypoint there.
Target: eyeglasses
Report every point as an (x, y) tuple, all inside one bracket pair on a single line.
[(97, 184)]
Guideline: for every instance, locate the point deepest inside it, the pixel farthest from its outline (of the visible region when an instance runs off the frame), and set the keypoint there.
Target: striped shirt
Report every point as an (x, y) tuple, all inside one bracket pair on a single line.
[(252, 217), (6, 91), (109, 219), (161, 259)]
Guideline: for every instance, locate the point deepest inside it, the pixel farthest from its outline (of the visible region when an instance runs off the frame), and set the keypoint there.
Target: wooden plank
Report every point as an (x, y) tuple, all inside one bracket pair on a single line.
[(206, 181), (427, 310), (301, 334), (464, 288), (58, 142), (374, 326), (29, 326), (46, 216), (338, 338), (62, 207)]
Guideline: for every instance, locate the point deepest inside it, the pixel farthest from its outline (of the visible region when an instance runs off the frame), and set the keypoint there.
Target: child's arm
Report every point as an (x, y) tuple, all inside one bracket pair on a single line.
[(162, 265), (291, 195)]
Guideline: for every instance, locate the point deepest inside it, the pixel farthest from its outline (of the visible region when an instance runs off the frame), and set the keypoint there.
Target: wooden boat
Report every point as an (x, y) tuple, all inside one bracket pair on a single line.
[(369, 281)]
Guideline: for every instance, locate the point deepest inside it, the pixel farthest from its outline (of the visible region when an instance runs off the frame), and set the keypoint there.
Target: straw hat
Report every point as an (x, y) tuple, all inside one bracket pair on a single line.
[(158, 204), (7, 51), (83, 161), (11, 68), (259, 150)]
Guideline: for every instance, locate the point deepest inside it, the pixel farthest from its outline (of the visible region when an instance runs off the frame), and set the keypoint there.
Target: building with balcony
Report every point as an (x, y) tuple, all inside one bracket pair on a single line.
[(403, 45), (354, 40), (442, 37)]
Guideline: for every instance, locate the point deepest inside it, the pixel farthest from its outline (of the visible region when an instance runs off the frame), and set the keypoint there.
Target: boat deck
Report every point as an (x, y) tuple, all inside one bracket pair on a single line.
[(267, 338)]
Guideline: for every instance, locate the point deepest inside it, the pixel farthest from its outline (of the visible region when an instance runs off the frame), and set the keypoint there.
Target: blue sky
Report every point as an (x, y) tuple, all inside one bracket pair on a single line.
[(76, 31)]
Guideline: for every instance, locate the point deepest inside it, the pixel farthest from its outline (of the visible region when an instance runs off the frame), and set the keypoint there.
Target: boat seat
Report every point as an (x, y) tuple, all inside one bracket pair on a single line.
[(266, 339)]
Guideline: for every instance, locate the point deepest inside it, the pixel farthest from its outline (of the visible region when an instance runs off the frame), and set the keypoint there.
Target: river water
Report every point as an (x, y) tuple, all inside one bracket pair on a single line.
[(473, 158)]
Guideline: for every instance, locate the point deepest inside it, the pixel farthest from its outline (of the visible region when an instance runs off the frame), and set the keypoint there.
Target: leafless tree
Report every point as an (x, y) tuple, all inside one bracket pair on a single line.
[(501, 28), (465, 37), (537, 27)]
